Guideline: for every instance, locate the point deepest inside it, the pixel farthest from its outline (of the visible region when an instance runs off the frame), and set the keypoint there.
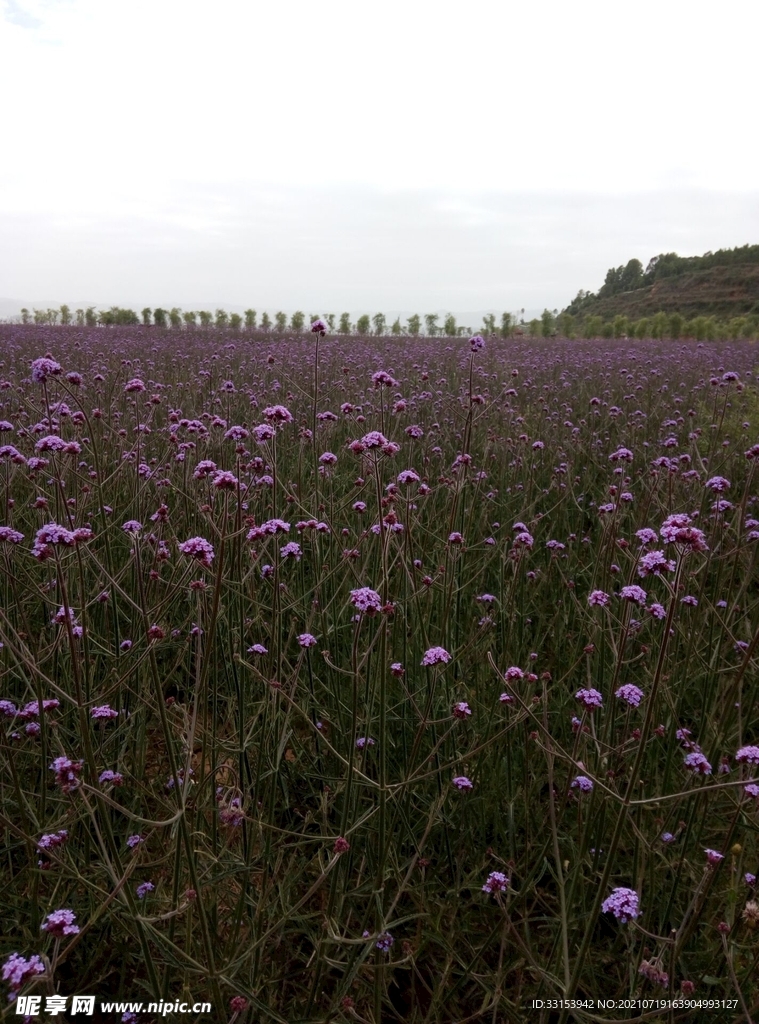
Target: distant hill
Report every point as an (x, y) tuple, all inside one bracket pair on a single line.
[(722, 284)]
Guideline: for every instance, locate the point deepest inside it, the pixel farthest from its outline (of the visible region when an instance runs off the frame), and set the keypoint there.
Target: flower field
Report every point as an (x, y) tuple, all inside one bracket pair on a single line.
[(370, 679)]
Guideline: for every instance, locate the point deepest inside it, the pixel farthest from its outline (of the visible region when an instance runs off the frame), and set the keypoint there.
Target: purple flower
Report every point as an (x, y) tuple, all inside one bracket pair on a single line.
[(598, 599), (384, 942), (51, 840), (749, 879), (319, 327), (654, 562), (714, 856), (144, 889), (257, 649), (748, 755), (307, 640), (291, 550), (718, 484), (633, 593), (115, 778), (67, 773), (697, 763), (134, 841), (495, 882), (583, 783), (476, 343), (131, 526), (60, 923), (630, 693), (366, 600), (104, 711), (198, 548), (436, 655), (590, 698), (667, 837), (43, 368), (623, 904), (365, 741), (462, 782), (17, 971)]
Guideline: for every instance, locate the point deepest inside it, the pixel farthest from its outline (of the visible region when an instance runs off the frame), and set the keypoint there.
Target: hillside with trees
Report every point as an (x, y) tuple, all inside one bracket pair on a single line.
[(722, 286)]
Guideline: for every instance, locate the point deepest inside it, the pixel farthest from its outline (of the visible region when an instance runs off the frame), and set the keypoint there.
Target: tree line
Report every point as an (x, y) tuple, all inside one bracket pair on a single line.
[(175, 319)]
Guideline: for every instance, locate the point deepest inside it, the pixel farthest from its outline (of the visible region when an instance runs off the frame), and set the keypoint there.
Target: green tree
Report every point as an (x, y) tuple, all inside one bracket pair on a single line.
[(642, 328), (159, 316), (80, 318), (221, 319), (380, 322), (190, 319), (265, 322), (607, 331), (25, 316), (175, 317), (90, 317), (414, 324), (430, 321), (298, 321), (659, 324), (547, 323), (566, 324), (449, 326), (592, 327), (52, 316), (488, 323), (330, 318), (65, 316), (345, 323), (147, 316), (250, 319), (675, 326), (280, 320), (711, 329), (507, 325), (736, 328), (396, 330), (362, 324), (620, 326), (206, 317), (235, 321), (534, 328)]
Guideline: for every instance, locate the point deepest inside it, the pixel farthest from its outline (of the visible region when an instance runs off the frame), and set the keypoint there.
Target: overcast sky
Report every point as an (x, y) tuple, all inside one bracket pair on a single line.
[(403, 155)]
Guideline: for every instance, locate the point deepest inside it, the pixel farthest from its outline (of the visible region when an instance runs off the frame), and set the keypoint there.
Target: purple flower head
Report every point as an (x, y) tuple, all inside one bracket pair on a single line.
[(583, 783), (257, 649), (307, 640), (319, 327), (291, 550), (60, 923), (198, 548), (461, 782), (365, 741), (17, 971), (132, 526), (476, 343), (634, 594), (590, 698), (714, 856), (495, 882), (436, 655), (623, 904), (367, 601), (747, 755), (144, 889), (384, 942), (461, 710), (104, 711), (630, 693), (718, 484), (43, 368), (598, 599), (697, 763), (653, 563), (115, 778), (67, 773), (134, 841), (52, 839)]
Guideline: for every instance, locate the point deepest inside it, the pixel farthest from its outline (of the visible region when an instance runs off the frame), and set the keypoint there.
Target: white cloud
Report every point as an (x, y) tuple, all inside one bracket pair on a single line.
[(160, 126)]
